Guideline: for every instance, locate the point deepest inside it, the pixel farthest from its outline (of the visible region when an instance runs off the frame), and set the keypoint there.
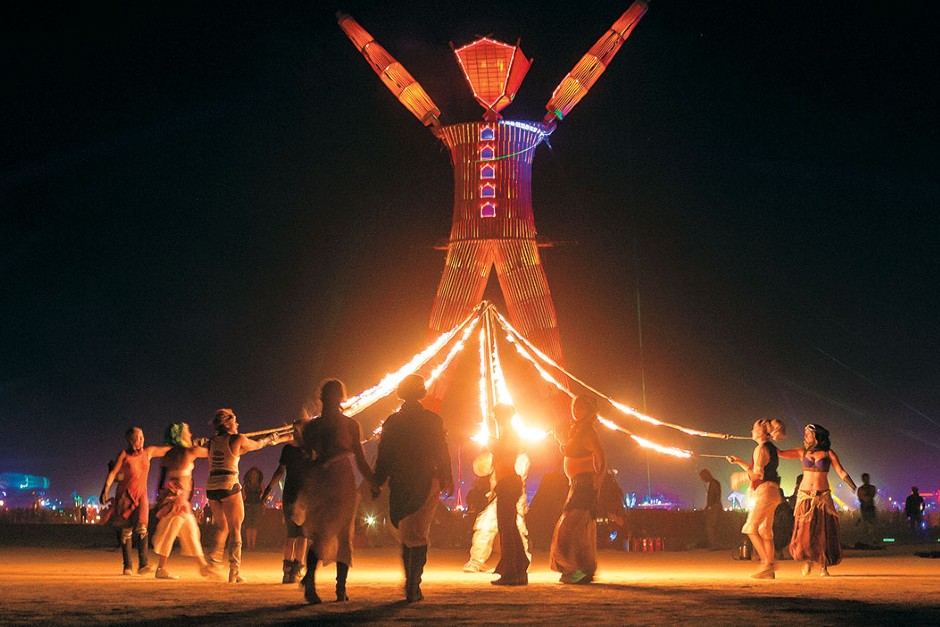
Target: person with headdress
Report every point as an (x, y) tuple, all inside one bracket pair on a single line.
[(292, 466), (414, 460), (815, 538), (223, 490), (573, 551), (131, 510), (327, 505), (174, 502), (765, 493)]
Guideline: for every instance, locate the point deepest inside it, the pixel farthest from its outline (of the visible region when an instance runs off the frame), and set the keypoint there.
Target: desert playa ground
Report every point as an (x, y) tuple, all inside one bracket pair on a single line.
[(82, 586)]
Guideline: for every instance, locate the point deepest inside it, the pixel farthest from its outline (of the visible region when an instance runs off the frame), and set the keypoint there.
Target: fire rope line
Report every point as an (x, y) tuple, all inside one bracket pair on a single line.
[(620, 406), (390, 382)]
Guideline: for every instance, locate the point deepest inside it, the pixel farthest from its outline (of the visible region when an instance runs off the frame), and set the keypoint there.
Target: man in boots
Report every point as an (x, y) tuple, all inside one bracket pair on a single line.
[(413, 458)]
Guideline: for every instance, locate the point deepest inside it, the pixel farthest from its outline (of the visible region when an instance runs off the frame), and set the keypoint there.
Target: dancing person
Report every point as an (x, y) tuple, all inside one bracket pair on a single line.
[(252, 487), (222, 488), (914, 510), (414, 460), (174, 503), (131, 510), (514, 559), (765, 495), (866, 494), (815, 538), (292, 466), (713, 507), (485, 524), (330, 498), (573, 550)]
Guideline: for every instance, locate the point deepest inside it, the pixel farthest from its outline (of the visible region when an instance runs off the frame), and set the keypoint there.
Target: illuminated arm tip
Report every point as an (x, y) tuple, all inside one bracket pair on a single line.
[(579, 80), (396, 78)]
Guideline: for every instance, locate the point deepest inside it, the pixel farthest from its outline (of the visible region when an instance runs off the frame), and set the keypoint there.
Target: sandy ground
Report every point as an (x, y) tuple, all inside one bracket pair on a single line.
[(84, 586)]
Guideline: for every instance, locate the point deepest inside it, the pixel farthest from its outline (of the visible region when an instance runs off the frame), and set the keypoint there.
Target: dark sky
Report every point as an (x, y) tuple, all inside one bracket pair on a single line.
[(219, 204)]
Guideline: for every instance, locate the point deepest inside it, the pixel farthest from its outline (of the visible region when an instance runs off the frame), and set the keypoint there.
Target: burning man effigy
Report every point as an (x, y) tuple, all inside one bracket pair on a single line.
[(174, 508), (765, 494), (131, 507), (574, 545), (815, 536), (326, 506), (413, 458)]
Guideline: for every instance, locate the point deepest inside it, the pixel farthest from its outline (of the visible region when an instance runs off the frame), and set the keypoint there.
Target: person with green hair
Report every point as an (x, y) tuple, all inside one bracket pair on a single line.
[(174, 508)]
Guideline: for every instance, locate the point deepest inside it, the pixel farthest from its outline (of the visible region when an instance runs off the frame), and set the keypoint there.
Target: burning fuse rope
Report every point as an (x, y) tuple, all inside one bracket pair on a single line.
[(515, 336)]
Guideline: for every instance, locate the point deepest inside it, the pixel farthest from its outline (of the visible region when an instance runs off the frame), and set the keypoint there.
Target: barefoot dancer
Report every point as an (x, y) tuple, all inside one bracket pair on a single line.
[(131, 508)]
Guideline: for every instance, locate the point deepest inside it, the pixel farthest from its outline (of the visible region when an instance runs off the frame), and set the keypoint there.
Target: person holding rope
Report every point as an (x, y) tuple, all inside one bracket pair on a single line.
[(131, 509), (574, 544), (815, 538), (174, 506), (223, 489), (292, 465), (327, 505), (765, 492)]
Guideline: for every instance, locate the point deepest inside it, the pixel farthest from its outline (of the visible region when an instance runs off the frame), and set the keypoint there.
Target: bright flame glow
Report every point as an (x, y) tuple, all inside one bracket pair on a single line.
[(483, 434), (390, 382), (620, 406), (527, 433)]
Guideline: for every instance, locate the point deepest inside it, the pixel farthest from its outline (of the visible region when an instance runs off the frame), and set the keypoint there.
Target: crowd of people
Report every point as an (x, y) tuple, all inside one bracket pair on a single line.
[(322, 455)]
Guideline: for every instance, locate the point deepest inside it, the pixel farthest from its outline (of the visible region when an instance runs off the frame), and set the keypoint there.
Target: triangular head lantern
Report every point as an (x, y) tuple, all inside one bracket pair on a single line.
[(494, 71)]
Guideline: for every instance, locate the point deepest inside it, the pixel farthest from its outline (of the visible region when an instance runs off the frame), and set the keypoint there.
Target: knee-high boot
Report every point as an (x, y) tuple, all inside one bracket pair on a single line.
[(235, 562), (342, 571), (406, 562), (127, 545), (419, 557), (309, 580), (288, 568), (143, 566)]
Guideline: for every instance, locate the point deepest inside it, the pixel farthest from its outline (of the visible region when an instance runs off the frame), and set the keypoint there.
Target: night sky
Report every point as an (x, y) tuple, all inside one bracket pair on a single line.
[(219, 204)]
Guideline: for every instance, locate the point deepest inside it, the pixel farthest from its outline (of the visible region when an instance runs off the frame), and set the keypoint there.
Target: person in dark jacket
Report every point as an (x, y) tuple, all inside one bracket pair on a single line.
[(414, 460)]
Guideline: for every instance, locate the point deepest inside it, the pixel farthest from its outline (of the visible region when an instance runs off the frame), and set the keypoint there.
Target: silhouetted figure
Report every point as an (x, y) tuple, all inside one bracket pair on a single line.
[(866, 507), (546, 507), (329, 501), (513, 559), (292, 465), (251, 491), (712, 509), (413, 458), (574, 544), (914, 510), (796, 491)]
